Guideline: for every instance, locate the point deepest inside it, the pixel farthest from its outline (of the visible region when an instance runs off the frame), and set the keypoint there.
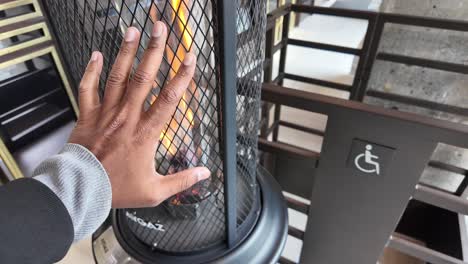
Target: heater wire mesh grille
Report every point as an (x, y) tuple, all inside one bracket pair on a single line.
[(251, 24), (195, 219)]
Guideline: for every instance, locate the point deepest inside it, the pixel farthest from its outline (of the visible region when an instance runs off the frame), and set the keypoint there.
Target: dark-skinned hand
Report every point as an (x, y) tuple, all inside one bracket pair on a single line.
[(118, 130)]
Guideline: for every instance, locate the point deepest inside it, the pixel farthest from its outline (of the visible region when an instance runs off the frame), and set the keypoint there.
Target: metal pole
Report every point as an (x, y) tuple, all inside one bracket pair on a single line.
[(378, 27), (267, 77), (227, 59), (282, 68), (361, 70)]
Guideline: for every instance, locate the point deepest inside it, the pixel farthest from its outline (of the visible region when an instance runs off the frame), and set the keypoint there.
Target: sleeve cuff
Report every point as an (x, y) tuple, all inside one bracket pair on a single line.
[(77, 177)]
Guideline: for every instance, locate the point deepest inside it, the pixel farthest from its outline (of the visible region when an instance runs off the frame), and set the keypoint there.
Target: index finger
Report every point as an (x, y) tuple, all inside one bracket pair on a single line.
[(118, 77)]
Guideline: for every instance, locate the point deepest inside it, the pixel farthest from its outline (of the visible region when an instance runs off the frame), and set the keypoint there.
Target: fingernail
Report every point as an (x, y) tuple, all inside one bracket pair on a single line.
[(157, 30), (189, 59), (131, 34), (94, 56), (203, 174)]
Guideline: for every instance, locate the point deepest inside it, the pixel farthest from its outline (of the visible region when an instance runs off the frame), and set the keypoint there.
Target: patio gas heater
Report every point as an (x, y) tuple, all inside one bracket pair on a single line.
[(239, 214)]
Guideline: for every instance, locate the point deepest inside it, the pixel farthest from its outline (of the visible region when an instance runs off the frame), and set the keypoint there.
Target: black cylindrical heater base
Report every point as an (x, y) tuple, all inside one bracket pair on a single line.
[(263, 244)]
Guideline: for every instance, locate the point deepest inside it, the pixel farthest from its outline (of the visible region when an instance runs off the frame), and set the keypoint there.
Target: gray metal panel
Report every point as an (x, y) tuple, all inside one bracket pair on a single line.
[(354, 212)]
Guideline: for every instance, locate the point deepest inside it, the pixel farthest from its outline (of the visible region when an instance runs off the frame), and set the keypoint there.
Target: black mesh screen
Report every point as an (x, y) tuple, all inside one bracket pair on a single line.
[(195, 219)]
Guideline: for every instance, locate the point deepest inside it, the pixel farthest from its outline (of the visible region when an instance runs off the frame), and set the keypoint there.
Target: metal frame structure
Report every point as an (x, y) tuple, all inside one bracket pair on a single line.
[(333, 222), (369, 52), (352, 217), (11, 27), (8, 4), (227, 43)]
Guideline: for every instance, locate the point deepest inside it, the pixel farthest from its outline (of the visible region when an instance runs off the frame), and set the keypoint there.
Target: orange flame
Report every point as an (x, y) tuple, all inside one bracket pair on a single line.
[(181, 21)]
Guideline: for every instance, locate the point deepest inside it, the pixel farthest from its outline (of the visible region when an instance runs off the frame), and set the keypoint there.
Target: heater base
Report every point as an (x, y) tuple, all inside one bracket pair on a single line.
[(263, 244)]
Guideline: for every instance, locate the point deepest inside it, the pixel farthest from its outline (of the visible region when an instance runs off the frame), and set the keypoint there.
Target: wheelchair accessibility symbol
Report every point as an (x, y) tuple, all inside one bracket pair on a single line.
[(367, 162)]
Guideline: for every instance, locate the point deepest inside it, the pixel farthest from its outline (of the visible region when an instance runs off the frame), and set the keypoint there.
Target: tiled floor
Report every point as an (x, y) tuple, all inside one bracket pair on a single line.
[(80, 253)]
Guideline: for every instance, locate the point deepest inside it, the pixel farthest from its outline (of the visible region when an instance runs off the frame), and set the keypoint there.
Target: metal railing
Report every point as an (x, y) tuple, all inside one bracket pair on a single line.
[(339, 112), (401, 180)]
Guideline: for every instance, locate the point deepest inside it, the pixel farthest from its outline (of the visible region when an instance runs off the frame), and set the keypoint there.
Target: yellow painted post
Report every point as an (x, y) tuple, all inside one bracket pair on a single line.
[(5, 154), (66, 83), (279, 24), (9, 161), (12, 4), (29, 43), (292, 22)]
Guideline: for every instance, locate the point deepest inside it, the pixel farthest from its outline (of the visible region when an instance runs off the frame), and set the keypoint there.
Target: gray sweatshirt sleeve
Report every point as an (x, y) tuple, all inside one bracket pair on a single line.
[(80, 181)]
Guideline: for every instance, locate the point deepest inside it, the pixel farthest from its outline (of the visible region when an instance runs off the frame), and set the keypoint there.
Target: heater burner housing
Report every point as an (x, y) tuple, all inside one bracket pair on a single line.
[(215, 125)]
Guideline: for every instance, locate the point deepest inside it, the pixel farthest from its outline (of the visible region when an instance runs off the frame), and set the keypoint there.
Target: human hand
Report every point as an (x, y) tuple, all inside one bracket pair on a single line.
[(121, 134)]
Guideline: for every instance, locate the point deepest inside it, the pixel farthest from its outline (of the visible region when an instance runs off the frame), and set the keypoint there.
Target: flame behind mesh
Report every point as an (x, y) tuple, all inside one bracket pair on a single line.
[(193, 137)]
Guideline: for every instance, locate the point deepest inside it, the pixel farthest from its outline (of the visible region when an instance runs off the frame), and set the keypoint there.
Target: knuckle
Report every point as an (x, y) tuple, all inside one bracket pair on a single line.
[(82, 121), (125, 50), (183, 74), (155, 45), (142, 77), (169, 95), (83, 88), (115, 124), (184, 183), (116, 77), (117, 121)]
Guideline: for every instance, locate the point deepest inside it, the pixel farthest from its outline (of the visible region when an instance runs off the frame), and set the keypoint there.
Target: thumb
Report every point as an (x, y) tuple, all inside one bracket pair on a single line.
[(180, 181)]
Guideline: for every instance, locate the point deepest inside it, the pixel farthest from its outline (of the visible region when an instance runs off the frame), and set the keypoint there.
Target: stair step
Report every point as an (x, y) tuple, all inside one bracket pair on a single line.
[(33, 122)]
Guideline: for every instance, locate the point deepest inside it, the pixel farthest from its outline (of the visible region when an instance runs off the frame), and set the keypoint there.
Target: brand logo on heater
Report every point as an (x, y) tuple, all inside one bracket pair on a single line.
[(143, 223)]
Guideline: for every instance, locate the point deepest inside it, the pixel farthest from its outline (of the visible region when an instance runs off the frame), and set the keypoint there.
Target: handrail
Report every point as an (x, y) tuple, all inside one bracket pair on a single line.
[(377, 21), (280, 147), (323, 46), (410, 20), (421, 252), (437, 130), (441, 199), (426, 63), (448, 132), (420, 21), (332, 11)]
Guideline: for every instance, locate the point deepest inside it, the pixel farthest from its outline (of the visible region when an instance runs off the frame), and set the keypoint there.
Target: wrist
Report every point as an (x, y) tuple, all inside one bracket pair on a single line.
[(77, 177)]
